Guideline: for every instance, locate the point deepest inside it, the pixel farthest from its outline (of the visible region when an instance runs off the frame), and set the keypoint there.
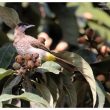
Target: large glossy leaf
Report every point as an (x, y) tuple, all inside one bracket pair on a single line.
[(9, 16), (96, 14), (70, 91), (82, 89), (51, 66), (101, 95), (45, 93), (7, 89), (4, 73), (53, 89), (7, 53), (26, 96), (83, 67)]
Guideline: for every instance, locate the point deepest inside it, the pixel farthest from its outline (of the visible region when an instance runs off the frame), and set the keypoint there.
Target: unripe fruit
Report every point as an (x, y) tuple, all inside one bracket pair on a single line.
[(35, 56), (37, 63), (16, 66), (27, 57), (30, 64), (19, 59)]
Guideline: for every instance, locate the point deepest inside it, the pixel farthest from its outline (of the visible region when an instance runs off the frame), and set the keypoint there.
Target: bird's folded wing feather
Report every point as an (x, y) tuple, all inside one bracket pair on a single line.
[(37, 44)]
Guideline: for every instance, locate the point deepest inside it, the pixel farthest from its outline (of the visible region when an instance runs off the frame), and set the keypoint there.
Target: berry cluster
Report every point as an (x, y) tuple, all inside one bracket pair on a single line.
[(94, 43), (27, 62)]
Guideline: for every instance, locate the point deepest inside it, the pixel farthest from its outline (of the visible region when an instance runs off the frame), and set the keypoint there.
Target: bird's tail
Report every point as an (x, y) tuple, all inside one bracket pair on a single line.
[(65, 64)]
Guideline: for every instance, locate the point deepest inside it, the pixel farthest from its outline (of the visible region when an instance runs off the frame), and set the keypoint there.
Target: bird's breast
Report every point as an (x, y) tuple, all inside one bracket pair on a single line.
[(21, 47)]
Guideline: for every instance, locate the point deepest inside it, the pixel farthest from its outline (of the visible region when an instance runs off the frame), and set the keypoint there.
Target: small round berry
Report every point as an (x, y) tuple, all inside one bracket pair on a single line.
[(27, 56), (37, 63), (16, 66), (35, 56), (30, 64), (19, 59)]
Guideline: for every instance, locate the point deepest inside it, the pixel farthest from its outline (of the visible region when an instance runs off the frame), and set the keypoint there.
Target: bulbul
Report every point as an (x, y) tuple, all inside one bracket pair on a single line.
[(26, 44)]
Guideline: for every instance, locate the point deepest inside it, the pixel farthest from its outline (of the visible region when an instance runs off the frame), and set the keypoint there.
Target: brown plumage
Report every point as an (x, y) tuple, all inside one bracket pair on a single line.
[(26, 44)]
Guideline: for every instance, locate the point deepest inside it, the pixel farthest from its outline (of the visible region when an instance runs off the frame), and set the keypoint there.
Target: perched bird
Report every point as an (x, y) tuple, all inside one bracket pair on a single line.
[(26, 44)]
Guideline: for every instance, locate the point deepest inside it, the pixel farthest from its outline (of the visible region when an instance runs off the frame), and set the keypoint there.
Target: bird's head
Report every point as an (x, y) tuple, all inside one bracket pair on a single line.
[(23, 26)]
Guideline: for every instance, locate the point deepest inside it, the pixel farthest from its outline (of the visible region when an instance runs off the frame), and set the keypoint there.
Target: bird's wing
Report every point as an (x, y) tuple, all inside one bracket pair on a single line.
[(37, 44)]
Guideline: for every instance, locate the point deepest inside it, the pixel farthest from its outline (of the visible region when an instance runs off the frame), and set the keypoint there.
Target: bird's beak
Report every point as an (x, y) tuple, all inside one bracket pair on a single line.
[(29, 26)]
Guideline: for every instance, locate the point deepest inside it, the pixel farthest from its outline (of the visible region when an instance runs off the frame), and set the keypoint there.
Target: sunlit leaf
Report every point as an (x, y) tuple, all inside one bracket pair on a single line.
[(9, 16), (4, 73), (26, 96), (96, 13), (45, 93), (101, 95), (53, 88), (51, 66), (102, 30), (83, 67)]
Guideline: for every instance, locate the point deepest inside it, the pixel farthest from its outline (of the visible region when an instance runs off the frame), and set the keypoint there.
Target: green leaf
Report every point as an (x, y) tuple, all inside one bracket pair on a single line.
[(101, 94), (9, 106), (82, 4), (102, 30), (83, 67), (96, 14), (53, 88), (7, 53), (82, 89), (7, 89), (70, 91), (45, 93), (26, 96), (51, 66), (3, 38), (4, 73), (9, 16)]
